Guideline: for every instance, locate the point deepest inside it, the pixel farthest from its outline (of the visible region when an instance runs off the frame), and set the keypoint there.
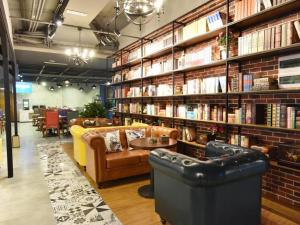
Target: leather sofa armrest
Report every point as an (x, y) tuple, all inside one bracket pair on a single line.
[(77, 130), (171, 132), (95, 142)]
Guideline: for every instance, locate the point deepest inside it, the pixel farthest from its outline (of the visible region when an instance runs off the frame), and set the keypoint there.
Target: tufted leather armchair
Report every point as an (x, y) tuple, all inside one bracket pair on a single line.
[(102, 166), (223, 190)]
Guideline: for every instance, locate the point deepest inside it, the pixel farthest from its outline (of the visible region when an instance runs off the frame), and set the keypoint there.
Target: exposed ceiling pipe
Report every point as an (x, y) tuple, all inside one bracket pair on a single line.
[(39, 15), (32, 11), (37, 10), (29, 40)]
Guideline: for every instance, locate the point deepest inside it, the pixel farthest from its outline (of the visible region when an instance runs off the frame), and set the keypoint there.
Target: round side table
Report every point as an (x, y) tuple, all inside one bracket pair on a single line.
[(147, 191)]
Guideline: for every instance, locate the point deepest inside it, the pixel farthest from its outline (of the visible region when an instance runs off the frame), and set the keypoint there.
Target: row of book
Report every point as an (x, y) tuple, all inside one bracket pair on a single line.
[(281, 115), (159, 110), (274, 37), (244, 115), (241, 82), (245, 8), (203, 25), (241, 140), (160, 90), (201, 112)]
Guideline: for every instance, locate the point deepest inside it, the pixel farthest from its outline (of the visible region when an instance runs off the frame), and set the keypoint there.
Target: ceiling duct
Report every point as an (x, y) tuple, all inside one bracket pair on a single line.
[(58, 16)]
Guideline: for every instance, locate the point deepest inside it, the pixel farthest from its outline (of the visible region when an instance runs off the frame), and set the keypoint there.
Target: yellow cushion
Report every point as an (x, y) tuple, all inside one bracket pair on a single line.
[(79, 147)]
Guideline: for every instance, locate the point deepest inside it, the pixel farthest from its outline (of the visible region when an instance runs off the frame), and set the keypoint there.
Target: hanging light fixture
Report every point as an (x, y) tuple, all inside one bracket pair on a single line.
[(78, 55), (59, 85), (94, 86), (81, 89), (51, 88), (139, 12)]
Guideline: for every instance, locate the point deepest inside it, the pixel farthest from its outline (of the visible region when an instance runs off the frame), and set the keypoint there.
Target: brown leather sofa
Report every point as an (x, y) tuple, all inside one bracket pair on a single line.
[(79, 121), (103, 167)]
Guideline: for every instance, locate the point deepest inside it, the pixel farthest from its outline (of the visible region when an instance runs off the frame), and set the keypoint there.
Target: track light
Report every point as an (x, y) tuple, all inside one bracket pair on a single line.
[(59, 85), (51, 88), (59, 21), (80, 89), (117, 33), (102, 42), (108, 38), (67, 82), (107, 83), (94, 86)]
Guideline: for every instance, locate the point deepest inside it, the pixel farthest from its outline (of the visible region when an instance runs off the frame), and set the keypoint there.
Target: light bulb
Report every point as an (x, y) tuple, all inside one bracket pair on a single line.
[(91, 54)]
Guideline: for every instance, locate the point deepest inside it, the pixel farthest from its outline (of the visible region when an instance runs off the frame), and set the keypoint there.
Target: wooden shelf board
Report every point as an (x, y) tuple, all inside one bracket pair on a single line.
[(191, 68), (192, 143), (200, 38), (271, 52), (275, 91), (264, 127), (268, 14), (159, 75)]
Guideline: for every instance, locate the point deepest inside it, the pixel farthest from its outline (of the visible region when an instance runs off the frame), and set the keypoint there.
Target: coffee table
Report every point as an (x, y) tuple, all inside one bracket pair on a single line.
[(147, 191)]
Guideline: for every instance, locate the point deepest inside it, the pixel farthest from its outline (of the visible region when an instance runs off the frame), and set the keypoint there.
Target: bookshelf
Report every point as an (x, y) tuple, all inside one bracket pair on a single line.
[(270, 14)]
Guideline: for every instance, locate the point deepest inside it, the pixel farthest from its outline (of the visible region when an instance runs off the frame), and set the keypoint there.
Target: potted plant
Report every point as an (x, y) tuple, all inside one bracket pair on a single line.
[(222, 41), (93, 110)]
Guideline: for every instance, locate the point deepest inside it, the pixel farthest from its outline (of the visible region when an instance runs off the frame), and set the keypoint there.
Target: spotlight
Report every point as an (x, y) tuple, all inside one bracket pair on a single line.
[(94, 86), (107, 83), (44, 84), (51, 88), (80, 89), (59, 21), (67, 82), (21, 80), (59, 85), (20, 75)]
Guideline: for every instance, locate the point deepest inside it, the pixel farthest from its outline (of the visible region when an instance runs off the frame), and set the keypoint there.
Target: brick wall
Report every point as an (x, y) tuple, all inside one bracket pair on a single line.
[(279, 183)]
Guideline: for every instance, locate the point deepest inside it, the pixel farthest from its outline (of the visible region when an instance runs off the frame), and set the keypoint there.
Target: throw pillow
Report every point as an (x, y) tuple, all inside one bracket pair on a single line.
[(112, 141), (134, 134)]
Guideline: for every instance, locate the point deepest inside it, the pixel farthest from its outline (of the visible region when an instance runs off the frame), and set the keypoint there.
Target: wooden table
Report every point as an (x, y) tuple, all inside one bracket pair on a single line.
[(147, 191)]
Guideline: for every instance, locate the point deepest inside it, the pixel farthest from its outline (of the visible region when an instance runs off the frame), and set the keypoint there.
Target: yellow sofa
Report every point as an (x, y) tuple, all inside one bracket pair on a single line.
[(79, 148)]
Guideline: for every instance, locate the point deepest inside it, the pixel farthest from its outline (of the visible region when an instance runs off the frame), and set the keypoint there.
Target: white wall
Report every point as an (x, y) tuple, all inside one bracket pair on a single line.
[(66, 96), (172, 8)]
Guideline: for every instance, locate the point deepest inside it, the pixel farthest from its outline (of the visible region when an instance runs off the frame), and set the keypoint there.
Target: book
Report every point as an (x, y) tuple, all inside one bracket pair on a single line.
[(267, 4), (297, 26)]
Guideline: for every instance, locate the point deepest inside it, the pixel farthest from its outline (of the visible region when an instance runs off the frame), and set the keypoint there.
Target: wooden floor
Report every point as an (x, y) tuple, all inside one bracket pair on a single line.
[(131, 209)]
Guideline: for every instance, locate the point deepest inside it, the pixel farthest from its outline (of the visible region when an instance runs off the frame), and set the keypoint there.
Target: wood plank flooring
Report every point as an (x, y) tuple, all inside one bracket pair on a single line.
[(131, 209)]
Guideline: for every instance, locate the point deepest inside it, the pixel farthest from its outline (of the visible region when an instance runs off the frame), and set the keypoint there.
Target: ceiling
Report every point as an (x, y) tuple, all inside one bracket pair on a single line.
[(34, 50)]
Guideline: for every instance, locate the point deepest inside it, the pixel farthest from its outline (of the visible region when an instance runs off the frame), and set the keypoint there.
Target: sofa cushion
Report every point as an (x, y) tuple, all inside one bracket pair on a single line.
[(112, 141), (134, 134), (122, 159)]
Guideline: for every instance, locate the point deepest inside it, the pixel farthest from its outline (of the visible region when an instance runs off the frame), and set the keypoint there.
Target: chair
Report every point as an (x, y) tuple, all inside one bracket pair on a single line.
[(51, 122), (225, 189)]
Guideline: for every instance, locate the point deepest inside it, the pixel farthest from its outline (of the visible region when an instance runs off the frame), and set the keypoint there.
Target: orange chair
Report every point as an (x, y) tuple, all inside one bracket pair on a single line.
[(51, 122)]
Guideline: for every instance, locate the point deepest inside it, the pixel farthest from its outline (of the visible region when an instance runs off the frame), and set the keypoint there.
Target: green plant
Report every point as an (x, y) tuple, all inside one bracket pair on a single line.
[(222, 38), (93, 110)]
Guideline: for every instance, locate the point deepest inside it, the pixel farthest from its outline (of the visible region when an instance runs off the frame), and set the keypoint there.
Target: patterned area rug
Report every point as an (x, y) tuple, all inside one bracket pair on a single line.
[(73, 199)]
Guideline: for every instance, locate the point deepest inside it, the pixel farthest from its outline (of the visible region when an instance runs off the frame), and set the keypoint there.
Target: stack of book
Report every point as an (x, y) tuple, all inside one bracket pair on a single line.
[(164, 90), (159, 110), (161, 43), (241, 82), (134, 73), (274, 37), (136, 54), (234, 140), (133, 92), (281, 115), (201, 112), (264, 83), (200, 57), (117, 78), (117, 93), (135, 108), (244, 115), (150, 90)]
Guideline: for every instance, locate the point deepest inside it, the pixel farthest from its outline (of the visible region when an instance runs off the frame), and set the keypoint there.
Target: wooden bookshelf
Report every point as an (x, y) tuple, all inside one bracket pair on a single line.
[(266, 15)]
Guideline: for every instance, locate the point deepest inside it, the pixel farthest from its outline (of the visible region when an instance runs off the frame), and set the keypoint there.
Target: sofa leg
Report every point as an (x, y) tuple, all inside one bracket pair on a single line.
[(163, 221)]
